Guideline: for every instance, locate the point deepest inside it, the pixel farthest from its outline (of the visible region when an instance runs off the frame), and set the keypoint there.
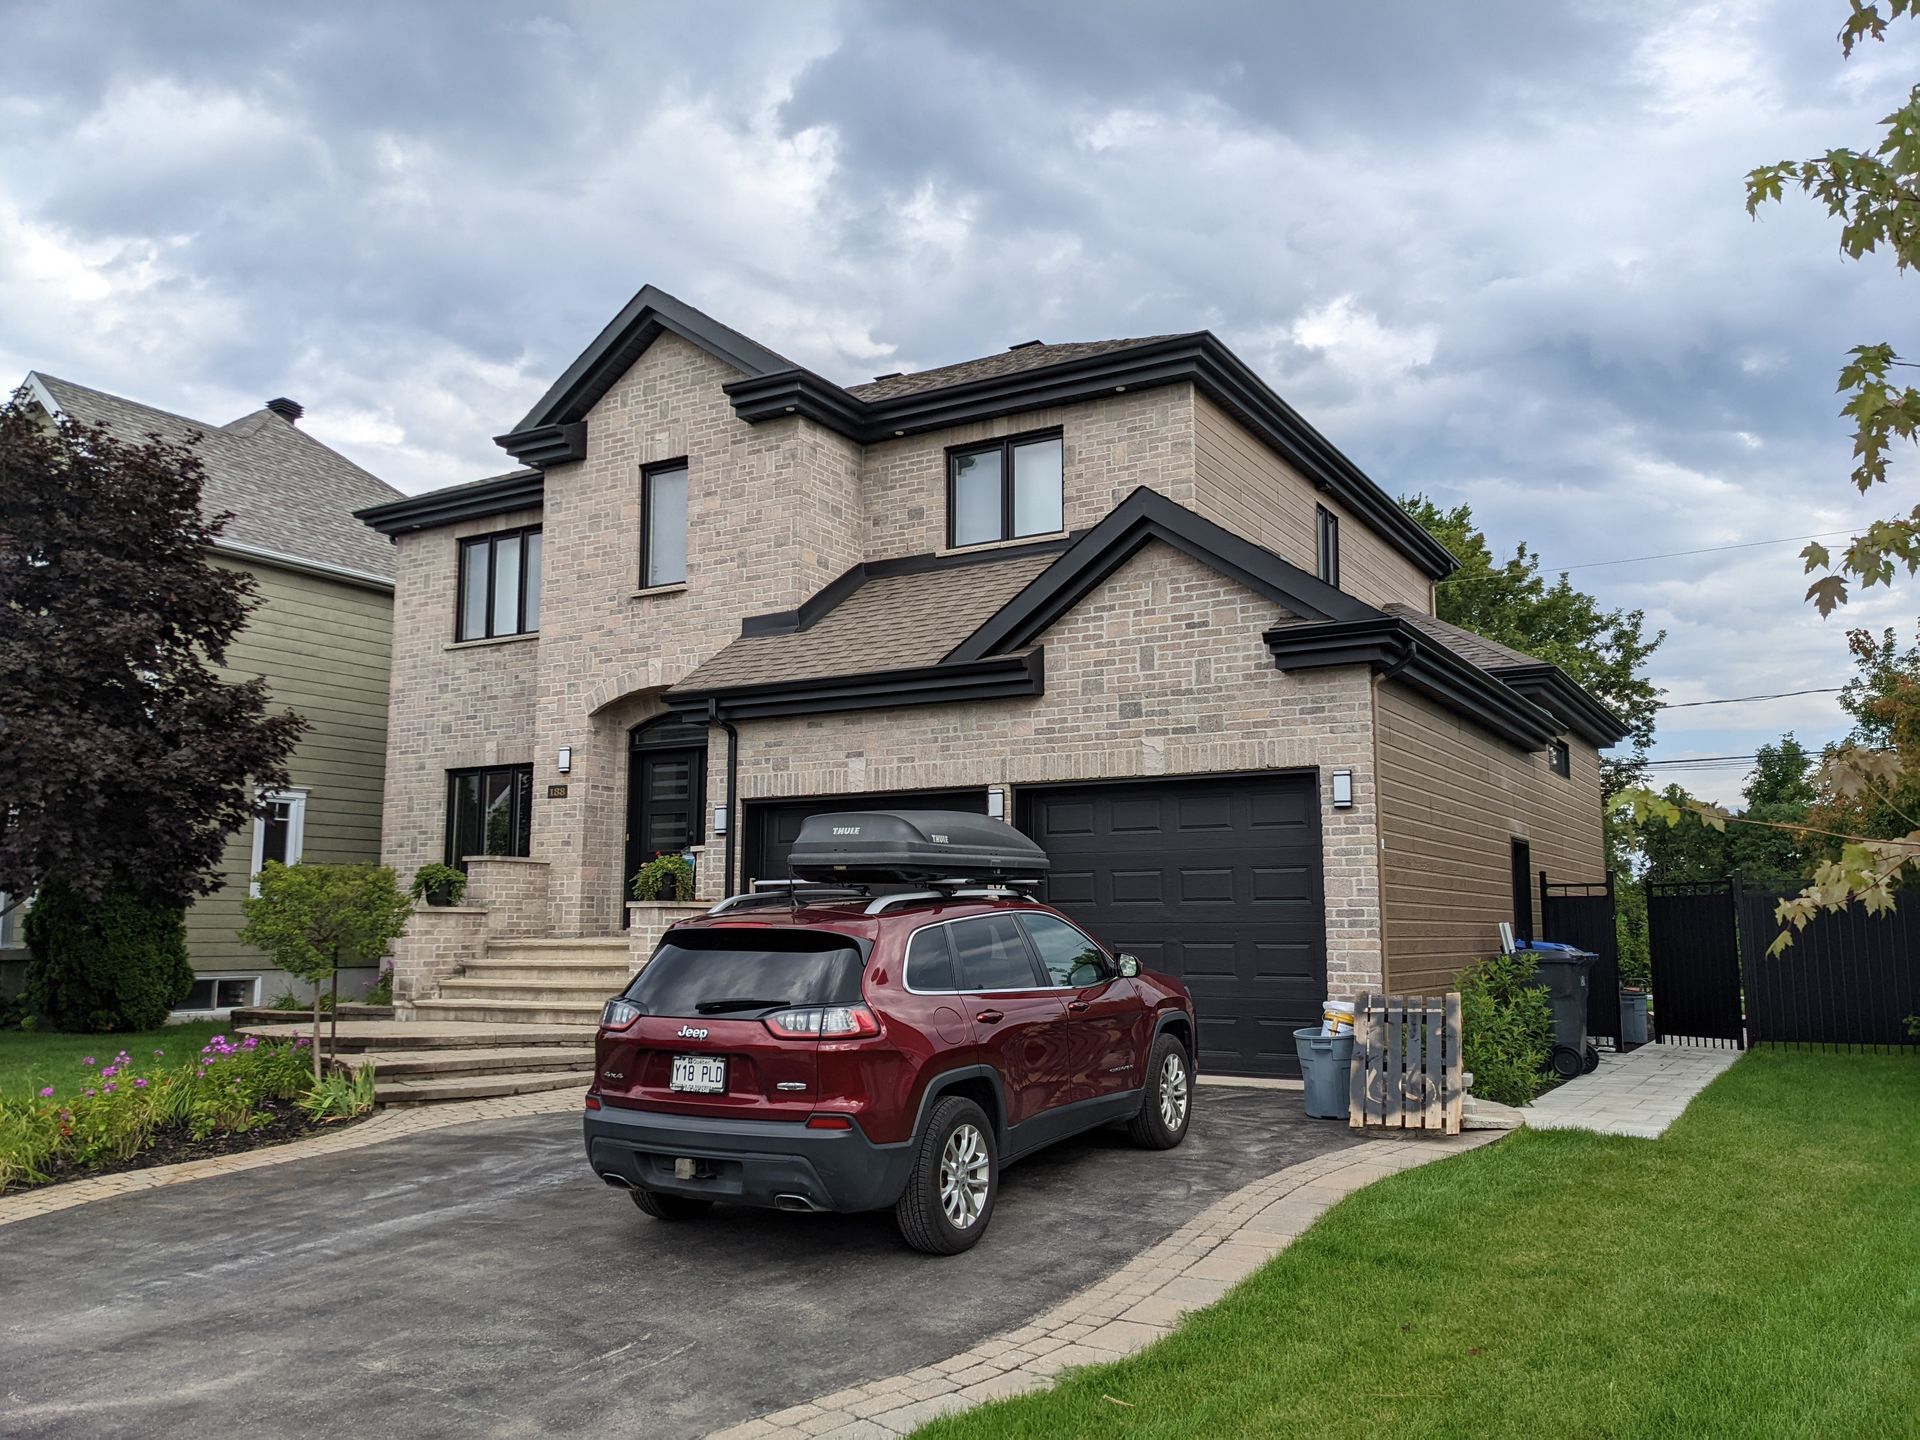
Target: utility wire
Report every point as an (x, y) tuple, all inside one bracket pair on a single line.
[(1703, 759), (1637, 559), (1743, 699)]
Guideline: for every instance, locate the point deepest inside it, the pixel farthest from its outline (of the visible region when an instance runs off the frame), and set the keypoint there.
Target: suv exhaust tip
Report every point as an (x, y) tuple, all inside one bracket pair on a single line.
[(619, 1182), (797, 1202)]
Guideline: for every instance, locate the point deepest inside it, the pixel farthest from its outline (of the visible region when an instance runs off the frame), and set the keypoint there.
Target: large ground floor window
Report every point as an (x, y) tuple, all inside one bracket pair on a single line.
[(489, 812)]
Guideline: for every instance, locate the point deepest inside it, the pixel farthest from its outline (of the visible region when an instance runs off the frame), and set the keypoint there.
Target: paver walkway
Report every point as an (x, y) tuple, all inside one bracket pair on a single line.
[(1640, 1093), (383, 1126), (1131, 1308)]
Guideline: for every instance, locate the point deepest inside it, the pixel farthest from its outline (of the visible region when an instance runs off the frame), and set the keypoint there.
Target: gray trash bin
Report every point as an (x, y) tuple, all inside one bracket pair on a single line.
[(1324, 1062), (1564, 971)]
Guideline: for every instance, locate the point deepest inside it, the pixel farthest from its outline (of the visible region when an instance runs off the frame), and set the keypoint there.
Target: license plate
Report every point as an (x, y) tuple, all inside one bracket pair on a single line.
[(703, 1074)]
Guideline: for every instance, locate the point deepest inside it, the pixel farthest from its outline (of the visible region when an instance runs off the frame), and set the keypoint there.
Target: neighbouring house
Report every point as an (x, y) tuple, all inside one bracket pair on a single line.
[(322, 637), (1117, 593)]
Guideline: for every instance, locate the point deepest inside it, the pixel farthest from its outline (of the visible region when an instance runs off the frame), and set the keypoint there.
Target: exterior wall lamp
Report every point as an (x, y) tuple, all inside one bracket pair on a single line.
[(1343, 789)]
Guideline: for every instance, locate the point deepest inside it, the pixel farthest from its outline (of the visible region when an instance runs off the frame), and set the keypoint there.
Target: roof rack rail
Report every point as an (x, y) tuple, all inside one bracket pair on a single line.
[(790, 893), (911, 897)]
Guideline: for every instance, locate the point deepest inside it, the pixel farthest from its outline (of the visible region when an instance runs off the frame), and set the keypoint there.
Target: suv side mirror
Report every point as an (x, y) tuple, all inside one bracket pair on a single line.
[(1129, 966)]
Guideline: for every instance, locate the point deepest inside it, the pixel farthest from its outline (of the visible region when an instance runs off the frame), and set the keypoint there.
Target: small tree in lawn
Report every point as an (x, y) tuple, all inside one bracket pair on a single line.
[(312, 919)]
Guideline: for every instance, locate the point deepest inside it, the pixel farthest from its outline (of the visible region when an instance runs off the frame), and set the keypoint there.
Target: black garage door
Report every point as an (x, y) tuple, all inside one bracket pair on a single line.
[(773, 825), (1216, 881)]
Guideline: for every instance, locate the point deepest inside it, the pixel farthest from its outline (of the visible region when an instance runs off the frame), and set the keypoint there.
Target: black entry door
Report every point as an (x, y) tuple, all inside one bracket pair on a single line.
[(666, 804), (1216, 881), (773, 825)]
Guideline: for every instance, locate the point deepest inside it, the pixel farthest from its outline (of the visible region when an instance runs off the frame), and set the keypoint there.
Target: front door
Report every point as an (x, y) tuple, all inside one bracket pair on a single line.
[(666, 795)]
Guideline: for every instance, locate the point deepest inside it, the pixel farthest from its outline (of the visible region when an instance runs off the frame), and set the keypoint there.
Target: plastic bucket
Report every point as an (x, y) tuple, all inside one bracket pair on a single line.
[(1324, 1063), (1336, 1017)]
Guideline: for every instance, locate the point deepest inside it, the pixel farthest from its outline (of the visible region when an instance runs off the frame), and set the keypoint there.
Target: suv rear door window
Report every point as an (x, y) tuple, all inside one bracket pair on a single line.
[(930, 962), (722, 970), (990, 953), (1070, 958)]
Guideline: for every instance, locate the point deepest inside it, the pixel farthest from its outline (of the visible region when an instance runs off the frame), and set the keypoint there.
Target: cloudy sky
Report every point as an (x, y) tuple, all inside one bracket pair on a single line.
[(1496, 251)]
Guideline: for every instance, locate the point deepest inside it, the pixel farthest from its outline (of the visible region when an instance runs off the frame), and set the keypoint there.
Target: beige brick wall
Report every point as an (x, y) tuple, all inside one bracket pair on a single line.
[(439, 940), (1241, 484), (1454, 799), (514, 893), (1160, 671)]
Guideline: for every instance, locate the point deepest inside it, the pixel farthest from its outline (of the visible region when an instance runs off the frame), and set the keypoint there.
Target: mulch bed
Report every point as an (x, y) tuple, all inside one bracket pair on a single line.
[(172, 1146)]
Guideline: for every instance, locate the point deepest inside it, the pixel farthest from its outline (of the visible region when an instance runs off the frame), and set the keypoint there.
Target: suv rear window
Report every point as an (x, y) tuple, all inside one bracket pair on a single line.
[(700, 971)]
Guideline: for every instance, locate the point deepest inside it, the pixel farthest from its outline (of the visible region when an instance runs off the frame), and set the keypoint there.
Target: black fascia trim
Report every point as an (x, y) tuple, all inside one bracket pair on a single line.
[(625, 338), (1143, 516), (830, 596), (1563, 697), (522, 490), (1000, 678), (793, 391), (1394, 647), (544, 446)]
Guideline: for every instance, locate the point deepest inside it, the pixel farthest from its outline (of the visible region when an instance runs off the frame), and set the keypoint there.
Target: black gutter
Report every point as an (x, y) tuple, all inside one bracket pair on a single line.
[(520, 490), (1556, 692), (999, 677)]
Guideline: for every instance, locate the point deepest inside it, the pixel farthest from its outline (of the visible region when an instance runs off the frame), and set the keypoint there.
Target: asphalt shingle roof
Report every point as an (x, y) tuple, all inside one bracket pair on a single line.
[(288, 493), (1007, 362), (891, 622), (1489, 655)]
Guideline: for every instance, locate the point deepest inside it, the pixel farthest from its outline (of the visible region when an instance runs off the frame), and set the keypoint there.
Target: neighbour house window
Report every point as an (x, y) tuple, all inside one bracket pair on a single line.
[(489, 812), (990, 953), (279, 831), (222, 992), (1005, 490), (663, 524), (1559, 760), (1327, 544), (499, 585), (10, 921), (1070, 957)]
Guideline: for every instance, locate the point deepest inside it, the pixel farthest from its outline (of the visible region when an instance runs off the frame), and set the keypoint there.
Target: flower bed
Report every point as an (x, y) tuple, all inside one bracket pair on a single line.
[(131, 1113)]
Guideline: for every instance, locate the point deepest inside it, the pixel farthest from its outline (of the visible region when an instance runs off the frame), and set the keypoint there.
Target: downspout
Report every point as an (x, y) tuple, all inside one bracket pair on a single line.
[(733, 785)]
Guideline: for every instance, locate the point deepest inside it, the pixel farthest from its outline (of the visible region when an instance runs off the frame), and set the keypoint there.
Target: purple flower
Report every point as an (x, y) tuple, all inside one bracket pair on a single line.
[(111, 1087), (201, 1072), (47, 1094), (87, 1061), (141, 1083), (92, 1093), (159, 1054)]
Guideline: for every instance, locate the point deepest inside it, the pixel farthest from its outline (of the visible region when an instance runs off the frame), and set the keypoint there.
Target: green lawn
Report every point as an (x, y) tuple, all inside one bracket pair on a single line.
[(30, 1060), (1754, 1273)]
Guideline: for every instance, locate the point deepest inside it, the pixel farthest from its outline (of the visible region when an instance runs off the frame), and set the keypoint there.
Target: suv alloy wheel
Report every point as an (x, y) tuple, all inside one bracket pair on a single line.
[(956, 1175), (1168, 1100)]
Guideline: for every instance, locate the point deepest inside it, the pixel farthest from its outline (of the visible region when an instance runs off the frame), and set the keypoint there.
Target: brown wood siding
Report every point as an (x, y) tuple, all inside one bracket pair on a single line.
[(1452, 799), (325, 648), (1241, 484)]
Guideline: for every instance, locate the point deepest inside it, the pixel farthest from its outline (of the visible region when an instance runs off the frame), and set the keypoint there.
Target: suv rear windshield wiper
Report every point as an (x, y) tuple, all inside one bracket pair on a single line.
[(714, 1007)]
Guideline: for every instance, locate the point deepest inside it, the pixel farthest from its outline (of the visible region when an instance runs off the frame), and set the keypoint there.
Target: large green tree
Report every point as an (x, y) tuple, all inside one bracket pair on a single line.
[(1767, 850)]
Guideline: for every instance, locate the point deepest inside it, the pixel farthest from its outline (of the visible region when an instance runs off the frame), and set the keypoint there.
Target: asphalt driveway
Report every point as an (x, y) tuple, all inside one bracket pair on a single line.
[(480, 1281)]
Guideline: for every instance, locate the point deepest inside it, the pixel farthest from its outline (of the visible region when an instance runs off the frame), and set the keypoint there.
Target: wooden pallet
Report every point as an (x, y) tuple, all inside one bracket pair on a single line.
[(1406, 1071)]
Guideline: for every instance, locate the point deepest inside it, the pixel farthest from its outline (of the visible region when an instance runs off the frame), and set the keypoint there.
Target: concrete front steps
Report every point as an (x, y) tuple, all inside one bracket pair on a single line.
[(556, 982), (419, 1061)]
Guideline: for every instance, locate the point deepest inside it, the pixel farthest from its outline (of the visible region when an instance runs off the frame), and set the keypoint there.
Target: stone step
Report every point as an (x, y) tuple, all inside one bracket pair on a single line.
[(501, 1059), (541, 992), (427, 1091), (612, 978), (586, 950), (512, 1012), (442, 1033)]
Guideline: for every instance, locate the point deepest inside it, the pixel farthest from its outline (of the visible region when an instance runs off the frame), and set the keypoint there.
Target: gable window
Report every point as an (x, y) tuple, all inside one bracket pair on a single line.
[(489, 812), (1558, 759), (663, 524), (1327, 544), (499, 585), (1004, 490), (279, 831)]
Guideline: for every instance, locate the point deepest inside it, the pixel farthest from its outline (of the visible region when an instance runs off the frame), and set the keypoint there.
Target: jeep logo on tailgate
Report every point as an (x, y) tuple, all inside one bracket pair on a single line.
[(689, 1032)]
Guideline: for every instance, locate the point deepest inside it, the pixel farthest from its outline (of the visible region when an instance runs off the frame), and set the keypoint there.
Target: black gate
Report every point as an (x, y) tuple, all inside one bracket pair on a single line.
[(1849, 978), (1693, 937), (1582, 914)]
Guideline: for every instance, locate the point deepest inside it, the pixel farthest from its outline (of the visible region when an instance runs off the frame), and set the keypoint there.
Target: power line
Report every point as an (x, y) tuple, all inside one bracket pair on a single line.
[(1703, 759), (1664, 555), (1743, 699)]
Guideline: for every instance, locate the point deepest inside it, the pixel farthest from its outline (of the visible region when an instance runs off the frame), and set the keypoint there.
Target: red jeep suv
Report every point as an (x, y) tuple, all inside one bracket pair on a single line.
[(836, 1050)]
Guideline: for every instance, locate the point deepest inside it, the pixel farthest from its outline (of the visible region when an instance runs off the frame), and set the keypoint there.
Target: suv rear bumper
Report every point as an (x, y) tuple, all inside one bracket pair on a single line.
[(747, 1162)]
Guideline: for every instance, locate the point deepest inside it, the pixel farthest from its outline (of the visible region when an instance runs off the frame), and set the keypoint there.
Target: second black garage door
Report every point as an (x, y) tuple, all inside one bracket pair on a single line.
[(1216, 881)]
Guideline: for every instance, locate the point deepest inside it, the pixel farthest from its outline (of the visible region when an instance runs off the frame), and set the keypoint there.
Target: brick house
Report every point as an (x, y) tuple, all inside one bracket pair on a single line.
[(1117, 593)]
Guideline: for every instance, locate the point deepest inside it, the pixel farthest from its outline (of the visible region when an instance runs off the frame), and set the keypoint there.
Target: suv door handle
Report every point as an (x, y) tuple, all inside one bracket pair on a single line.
[(1078, 1005), (990, 1017)]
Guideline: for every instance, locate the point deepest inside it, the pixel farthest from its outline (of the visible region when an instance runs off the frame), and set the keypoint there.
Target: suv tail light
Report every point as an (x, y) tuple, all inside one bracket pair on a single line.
[(825, 1022), (619, 1012)]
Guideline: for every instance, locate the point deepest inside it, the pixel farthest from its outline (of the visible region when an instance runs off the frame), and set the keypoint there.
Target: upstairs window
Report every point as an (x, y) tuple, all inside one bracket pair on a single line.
[(279, 831), (663, 524), (1004, 490), (1327, 544), (1558, 759), (499, 585)]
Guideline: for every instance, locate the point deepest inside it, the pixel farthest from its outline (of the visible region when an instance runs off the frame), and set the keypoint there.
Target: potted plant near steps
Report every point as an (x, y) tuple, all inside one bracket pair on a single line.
[(438, 885), (664, 877)]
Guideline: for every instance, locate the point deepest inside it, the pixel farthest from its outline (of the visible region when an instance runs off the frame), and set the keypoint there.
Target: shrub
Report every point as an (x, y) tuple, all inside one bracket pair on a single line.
[(1506, 1029), (664, 877), (433, 881), (119, 963)]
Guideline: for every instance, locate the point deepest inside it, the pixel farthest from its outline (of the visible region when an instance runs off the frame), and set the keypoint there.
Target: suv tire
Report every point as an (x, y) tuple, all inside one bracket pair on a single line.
[(1167, 1104), (956, 1176), (663, 1206)]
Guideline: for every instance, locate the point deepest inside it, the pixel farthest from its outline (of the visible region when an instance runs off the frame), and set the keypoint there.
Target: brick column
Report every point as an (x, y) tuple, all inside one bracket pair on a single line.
[(647, 921), (439, 940), (513, 892)]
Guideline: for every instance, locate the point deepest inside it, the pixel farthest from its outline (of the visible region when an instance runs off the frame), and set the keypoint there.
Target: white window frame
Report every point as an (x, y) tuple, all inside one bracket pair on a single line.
[(12, 937), (253, 978), (296, 803)]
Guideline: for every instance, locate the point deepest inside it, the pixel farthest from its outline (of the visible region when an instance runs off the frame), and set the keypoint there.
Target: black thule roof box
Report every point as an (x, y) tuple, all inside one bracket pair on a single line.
[(916, 845)]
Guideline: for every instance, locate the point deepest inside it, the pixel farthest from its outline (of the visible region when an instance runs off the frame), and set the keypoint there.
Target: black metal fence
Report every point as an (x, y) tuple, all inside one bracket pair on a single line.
[(1693, 941), (1848, 981), (1582, 914)]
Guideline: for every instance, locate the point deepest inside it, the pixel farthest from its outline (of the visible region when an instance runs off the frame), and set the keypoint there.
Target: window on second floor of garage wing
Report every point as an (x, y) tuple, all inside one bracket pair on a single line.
[(499, 585), (1004, 490), (663, 524), (1327, 545)]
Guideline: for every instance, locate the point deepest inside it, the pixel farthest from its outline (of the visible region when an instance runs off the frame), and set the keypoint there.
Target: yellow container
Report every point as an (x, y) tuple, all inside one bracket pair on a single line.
[(1336, 1018)]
